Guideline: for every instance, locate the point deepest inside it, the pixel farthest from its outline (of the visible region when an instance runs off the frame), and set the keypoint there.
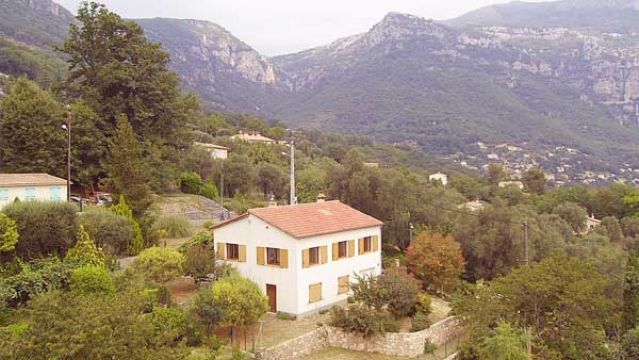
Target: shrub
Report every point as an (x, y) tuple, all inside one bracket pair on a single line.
[(285, 316), (400, 290), (199, 262), (423, 304), (190, 183), (84, 252), (429, 347), (363, 320), (169, 324), (35, 278), (8, 233), (240, 300), (154, 296), (45, 227), (209, 190), (110, 231), (90, 279), (419, 322), (201, 239), (137, 241), (159, 264), (206, 309), (174, 226)]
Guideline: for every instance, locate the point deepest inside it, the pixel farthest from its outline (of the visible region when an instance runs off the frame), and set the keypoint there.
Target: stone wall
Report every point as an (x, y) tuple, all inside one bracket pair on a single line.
[(298, 347), (393, 344), (397, 344)]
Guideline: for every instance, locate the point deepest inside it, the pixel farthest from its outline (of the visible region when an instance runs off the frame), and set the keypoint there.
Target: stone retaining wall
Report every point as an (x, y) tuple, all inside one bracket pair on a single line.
[(392, 344)]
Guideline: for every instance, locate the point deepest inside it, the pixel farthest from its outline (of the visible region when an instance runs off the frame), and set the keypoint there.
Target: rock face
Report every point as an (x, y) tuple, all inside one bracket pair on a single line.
[(34, 22)]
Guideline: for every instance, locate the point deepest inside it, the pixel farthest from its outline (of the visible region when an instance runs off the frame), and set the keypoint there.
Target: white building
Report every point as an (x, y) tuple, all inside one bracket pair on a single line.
[(30, 187), (441, 177), (253, 138), (302, 256), (216, 151), (518, 184)]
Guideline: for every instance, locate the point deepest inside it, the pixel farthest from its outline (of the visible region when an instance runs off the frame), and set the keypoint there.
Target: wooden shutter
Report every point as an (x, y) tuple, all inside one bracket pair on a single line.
[(284, 258), (221, 251), (375, 243), (343, 284), (315, 293), (351, 248), (323, 254), (360, 246), (306, 261), (261, 258), (242, 254), (335, 251)]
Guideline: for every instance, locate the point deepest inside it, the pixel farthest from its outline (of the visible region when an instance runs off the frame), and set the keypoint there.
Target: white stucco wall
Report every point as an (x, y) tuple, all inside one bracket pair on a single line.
[(293, 283), (41, 193), (219, 153)]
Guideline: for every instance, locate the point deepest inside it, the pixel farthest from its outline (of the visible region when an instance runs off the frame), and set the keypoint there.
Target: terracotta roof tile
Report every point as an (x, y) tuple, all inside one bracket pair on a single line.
[(306, 220)]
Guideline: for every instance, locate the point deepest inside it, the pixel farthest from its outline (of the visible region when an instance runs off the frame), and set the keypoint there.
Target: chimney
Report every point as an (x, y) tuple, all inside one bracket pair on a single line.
[(321, 198)]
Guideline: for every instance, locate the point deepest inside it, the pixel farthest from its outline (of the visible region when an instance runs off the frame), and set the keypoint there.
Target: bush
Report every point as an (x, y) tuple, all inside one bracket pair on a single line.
[(363, 320), (209, 190), (84, 252), (45, 228), (34, 278), (8, 233), (190, 183), (400, 290), (110, 231), (153, 296), (169, 324), (423, 304), (159, 264), (201, 239), (206, 309), (240, 300), (429, 347), (199, 262), (91, 279), (136, 243), (174, 226), (419, 322)]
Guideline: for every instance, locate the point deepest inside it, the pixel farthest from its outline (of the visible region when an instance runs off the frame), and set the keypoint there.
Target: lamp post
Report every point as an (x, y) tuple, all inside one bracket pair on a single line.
[(67, 128)]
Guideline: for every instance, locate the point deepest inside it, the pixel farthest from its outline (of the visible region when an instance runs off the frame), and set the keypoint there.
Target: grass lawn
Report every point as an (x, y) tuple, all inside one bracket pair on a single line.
[(276, 331)]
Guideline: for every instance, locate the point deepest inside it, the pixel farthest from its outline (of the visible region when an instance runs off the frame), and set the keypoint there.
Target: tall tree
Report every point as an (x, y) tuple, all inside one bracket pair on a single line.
[(31, 139), (534, 180), (436, 259), (128, 171)]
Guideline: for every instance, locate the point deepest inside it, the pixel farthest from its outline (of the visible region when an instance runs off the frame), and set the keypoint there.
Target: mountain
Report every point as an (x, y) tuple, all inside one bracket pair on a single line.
[(603, 15), (34, 22)]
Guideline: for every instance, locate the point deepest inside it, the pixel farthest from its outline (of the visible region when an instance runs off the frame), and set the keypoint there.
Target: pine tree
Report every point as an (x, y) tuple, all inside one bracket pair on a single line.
[(31, 139), (127, 169)]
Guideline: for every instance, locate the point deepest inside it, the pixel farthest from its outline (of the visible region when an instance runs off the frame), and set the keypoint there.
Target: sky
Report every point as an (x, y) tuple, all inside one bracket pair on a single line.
[(275, 27)]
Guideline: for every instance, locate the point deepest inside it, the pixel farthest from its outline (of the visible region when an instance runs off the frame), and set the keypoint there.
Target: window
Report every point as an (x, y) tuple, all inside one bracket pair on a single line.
[(368, 244), (343, 284), (342, 251), (4, 194), (273, 256), (29, 193), (315, 293), (232, 251), (314, 256), (55, 193)]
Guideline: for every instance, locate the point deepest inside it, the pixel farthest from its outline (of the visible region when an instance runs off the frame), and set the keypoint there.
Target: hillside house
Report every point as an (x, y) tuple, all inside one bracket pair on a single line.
[(216, 151), (302, 256), (518, 184), (441, 177), (31, 187), (253, 138)]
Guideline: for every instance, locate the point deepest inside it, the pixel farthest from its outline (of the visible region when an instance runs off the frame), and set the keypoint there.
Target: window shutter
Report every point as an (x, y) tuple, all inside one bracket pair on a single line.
[(315, 293), (305, 258), (284, 258), (375, 242), (323, 254), (261, 256), (335, 251), (343, 284), (351, 248), (242, 257), (221, 251), (360, 246)]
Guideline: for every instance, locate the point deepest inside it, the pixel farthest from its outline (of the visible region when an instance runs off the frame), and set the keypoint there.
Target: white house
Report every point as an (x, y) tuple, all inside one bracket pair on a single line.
[(216, 151), (441, 177), (253, 138), (29, 187), (518, 184), (302, 256)]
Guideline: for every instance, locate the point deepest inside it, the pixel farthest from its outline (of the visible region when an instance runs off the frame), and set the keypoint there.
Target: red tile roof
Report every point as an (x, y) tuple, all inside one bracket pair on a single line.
[(305, 220)]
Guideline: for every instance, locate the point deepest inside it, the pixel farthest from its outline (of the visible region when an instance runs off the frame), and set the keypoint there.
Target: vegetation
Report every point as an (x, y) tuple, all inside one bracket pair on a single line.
[(159, 264), (111, 232), (436, 260), (174, 226)]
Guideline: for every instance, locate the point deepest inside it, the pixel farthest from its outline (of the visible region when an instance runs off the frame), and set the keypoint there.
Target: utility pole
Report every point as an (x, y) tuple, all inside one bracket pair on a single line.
[(222, 195), (67, 127), (526, 241), (293, 200)]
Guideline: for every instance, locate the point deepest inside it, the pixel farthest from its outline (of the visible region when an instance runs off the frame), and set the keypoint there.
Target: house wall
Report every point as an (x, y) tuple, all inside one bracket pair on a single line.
[(40, 193), (219, 153), (293, 282)]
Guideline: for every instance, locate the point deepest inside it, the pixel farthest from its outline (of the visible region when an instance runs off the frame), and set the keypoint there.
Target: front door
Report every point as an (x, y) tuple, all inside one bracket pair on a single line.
[(271, 292)]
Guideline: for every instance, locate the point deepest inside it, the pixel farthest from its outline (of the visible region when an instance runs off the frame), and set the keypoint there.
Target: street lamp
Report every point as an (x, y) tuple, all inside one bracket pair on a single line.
[(67, 127)]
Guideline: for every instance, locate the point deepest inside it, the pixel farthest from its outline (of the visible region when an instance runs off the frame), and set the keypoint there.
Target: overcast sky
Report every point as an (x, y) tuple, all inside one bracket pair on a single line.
[(283, 26)]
